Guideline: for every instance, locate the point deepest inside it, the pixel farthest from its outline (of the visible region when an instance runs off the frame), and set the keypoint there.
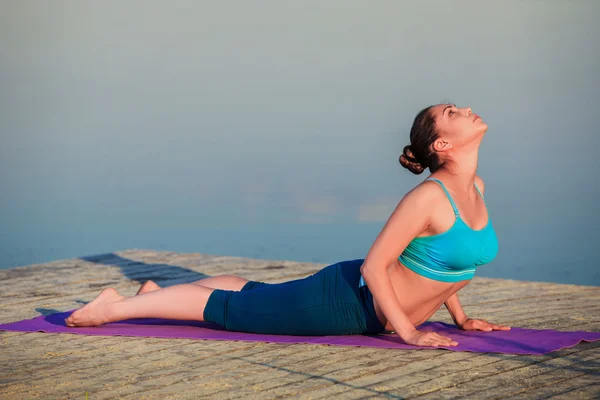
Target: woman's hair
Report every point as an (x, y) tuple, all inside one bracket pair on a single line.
[(419, 155)]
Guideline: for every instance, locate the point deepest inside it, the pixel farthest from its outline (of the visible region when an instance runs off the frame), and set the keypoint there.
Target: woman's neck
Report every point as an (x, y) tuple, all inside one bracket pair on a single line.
[(461, 172)]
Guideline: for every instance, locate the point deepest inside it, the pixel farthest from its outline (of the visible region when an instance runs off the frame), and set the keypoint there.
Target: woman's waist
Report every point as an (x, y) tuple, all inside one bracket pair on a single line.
[(418, 296), (403, 277)]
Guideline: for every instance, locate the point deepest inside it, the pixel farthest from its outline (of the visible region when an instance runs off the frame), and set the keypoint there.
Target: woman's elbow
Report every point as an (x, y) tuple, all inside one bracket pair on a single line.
[(367, 268), (363, 268)]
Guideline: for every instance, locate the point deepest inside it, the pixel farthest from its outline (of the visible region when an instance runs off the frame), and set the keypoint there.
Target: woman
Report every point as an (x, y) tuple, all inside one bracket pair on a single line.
[(427, 251)]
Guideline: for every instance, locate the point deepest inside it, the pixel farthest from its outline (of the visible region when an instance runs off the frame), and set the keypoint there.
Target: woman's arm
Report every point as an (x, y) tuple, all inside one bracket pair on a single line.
[(469, 324), (455, 309), (410, 217), (380, 285)]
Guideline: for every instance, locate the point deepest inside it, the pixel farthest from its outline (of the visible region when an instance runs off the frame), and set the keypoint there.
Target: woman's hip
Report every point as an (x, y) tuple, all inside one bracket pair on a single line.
[(329, 302), (335, 283)]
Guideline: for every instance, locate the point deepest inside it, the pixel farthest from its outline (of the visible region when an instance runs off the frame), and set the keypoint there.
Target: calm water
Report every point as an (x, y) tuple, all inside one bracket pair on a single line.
[(275, 134)]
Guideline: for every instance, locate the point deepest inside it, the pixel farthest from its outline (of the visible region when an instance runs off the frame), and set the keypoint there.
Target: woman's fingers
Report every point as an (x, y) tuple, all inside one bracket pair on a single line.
[(472, 324), (446, 341), (442, 338), (419, 338), (483, 325), (487, 326)]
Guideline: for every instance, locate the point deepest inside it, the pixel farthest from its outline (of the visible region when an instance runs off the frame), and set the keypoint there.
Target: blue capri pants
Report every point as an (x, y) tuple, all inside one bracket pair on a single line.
[(329, 302)]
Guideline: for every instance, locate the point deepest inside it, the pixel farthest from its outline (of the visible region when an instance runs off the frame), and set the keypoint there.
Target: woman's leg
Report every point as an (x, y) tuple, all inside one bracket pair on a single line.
[(319, 304), (224, 282), (181, 302)]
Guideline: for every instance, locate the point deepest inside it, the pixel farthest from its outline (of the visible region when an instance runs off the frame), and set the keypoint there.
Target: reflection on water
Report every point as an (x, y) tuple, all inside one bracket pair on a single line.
[(275, 132)]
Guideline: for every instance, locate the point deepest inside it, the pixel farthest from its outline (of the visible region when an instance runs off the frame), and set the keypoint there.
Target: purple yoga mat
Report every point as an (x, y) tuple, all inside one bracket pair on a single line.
[(515, 341)]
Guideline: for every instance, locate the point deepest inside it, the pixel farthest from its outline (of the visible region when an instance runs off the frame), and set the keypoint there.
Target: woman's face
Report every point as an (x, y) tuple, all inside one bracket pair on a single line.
[(458, 126)]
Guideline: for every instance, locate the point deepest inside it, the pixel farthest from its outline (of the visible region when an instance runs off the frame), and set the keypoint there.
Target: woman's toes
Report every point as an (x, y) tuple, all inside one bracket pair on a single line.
[(97, 312), (148, 286)]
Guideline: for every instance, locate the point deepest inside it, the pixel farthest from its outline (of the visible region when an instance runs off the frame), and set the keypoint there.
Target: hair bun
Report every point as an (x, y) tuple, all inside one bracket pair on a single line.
[(407, 152), (408, 161)]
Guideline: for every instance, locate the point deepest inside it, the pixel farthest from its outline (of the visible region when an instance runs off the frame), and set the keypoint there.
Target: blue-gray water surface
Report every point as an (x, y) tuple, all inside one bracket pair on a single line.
[(272, 129)]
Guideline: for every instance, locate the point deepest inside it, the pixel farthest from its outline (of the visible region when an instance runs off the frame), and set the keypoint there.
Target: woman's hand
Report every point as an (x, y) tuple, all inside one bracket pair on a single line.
[(419, 338), (481, 325)]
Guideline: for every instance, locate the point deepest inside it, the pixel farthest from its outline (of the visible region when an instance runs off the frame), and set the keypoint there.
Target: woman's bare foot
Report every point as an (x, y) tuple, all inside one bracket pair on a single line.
[(99, 311), (148, 286)]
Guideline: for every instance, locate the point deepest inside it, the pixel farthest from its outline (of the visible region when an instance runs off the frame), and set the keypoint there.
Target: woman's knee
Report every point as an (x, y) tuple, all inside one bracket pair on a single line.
[(223, 282), (233, 282)]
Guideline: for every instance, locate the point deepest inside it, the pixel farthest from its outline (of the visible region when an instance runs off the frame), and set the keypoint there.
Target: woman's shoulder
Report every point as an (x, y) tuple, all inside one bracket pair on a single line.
[(426, 194), (431, 191)]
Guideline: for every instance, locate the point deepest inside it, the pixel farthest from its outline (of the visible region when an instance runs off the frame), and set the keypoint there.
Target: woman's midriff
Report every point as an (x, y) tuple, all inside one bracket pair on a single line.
[(419, 297)]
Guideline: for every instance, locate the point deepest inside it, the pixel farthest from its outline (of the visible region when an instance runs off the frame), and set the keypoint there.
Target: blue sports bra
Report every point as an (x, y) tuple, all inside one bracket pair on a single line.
[(453, 255)]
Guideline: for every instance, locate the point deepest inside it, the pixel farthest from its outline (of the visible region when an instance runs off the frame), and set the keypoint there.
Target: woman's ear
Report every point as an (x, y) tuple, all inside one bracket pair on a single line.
[(442, 145)]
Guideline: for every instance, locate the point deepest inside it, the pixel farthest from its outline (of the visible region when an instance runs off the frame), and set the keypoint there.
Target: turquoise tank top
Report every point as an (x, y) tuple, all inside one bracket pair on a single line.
[(453, 255)]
